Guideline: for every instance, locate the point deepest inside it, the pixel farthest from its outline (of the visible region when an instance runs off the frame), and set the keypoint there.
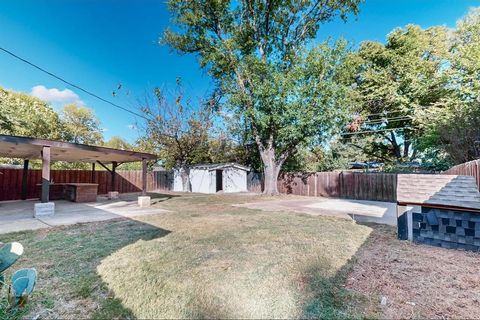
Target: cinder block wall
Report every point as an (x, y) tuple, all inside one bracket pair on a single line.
[(447, 228)]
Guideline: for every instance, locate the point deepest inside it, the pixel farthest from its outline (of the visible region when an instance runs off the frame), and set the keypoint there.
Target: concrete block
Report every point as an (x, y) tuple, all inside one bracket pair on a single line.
[(44, 209), (112, 195), (144, 201)]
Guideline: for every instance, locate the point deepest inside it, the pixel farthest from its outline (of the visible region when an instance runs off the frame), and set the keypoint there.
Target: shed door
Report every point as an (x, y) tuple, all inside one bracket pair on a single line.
[(219, 180)]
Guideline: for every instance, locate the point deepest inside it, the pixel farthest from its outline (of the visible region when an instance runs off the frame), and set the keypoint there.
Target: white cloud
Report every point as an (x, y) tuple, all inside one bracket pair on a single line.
[(55, 95), (132, 127)]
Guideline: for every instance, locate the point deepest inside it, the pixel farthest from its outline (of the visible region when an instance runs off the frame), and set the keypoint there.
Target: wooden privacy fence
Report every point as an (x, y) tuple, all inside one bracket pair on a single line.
[(471, 168), (347, 185), (125, 181)]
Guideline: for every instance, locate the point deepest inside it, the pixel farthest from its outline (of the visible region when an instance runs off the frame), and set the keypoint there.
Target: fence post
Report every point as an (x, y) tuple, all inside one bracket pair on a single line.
[(308, 185), (316, 184)]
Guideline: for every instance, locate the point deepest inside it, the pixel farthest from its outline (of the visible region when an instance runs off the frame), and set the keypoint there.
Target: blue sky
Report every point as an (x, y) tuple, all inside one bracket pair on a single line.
[(98, 44)]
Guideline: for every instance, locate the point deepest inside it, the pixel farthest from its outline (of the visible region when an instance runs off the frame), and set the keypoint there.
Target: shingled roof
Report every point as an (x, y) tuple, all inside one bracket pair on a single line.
[(449, 191)]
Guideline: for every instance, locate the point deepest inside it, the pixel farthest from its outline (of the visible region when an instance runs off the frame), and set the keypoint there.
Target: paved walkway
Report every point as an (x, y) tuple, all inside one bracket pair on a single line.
[(18, 215), (359, 210)]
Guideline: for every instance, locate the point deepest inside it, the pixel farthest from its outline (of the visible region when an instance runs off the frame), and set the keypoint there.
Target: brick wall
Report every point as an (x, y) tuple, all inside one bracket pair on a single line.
[(447, 228)]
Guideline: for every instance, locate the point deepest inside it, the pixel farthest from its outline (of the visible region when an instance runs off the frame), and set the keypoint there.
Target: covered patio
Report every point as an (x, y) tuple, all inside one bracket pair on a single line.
[(17, 215), (49, 150)]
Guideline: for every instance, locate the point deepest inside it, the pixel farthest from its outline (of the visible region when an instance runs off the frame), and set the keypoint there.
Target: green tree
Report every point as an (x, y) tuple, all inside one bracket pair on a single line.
[(117, 142), (80, 125), (452, 126), (176, 131), (257, 53), (397, 81), (24, 115)]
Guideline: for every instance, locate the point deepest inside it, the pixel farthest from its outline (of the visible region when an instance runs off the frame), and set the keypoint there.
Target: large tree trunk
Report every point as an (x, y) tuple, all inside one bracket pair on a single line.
[(396, 148), (406, 149), (271, 170), (185, 175)]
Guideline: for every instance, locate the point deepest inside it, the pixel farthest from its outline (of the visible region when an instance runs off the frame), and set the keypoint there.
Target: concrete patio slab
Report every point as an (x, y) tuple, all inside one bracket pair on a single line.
[(18, 215), (358, 210)]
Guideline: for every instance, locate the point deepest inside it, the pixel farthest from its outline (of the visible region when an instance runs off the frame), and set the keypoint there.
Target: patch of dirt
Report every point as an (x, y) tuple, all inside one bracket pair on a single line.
[(418, 281)]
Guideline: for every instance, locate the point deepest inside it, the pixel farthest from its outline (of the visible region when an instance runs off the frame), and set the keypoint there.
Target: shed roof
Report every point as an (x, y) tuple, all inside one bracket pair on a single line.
[(220, 166), (448, 191), (30, 148)]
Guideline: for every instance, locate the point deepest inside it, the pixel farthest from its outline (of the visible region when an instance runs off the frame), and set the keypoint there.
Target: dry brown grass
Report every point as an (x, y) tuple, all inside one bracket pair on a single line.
[(418, 281), (202, 259), (227, 262), (207, 259)]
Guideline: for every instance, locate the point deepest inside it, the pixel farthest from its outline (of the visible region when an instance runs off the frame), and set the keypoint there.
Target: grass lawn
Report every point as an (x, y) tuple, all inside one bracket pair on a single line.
[(204, 258)]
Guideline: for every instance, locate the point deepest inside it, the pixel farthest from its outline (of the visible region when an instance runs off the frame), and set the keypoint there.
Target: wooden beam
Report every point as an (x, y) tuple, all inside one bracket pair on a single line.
[(114, 167), (33, 145), (25, 179), (45, 174), (144, 177), (93, 172), (439, 206), (104, 166)]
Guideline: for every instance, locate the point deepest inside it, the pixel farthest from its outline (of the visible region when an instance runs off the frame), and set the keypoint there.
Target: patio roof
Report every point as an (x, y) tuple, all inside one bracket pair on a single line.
[(31, 148)]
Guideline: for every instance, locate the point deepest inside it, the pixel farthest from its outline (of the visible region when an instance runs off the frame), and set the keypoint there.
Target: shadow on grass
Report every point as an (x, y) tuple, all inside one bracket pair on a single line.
[(66, 259), (329, 299)]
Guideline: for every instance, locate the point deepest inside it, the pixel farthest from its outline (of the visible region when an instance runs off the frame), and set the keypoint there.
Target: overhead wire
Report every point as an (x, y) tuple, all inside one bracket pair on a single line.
[(387, 120), (374, 131), (90, 93)]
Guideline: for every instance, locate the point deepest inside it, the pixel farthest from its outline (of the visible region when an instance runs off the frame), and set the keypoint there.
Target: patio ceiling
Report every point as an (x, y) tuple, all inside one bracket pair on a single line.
[(31, 148)]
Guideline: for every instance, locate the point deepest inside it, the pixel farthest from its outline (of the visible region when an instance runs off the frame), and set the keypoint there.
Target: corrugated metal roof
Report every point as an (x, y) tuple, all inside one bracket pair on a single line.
[(444, 190)]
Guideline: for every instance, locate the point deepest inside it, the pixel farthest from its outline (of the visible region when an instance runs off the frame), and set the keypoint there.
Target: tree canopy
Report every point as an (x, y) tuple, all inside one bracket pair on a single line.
[(267, 67), (394, 82), (80, 125), (24, 115), (175, 130), (452, 126)]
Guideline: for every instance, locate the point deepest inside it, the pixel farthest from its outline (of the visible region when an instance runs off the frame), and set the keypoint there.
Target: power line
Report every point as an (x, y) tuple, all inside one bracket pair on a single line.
[(382, 113), (72, 84), (386, 120), (373, 131)]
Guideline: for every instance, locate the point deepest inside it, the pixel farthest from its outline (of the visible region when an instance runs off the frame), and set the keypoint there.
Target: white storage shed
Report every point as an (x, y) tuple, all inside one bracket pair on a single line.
[(213, 178)]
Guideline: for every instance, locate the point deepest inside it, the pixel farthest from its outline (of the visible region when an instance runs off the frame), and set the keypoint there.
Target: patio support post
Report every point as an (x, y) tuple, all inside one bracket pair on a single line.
[(93, 172), (144, 200), (45, 174), (114, 167), (144, 177), (25, 179)]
